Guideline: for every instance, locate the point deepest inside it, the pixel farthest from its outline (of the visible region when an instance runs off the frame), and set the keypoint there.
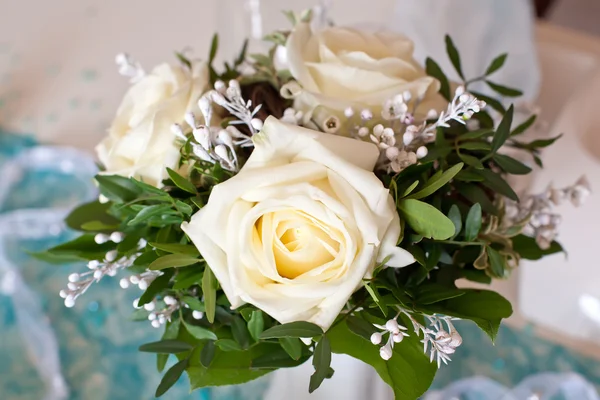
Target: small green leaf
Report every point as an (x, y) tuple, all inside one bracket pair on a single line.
[(524, 126), (410, 189), (176, 248), (418, 253), (181, 182), (166, 347), (497, 262), (425, 219), (148, 212), (436, 183), (495, 182), (171, 376), (433, 69), (183, 208), (471, 160), (173, 261), (183, 59), (360, 327), (503, 131), (468, 176), (490, 101), (210, 294), (536, 144), (117, 188), (171, 332), (528, 248), (496, 64), (456, 218), (475, 194), (454, 56), (228, 345), (157, 286), (96, 213), (278, 358), (292, 346), (431, 293), (214, 45), (298, 329), (199, 332), (187, 277), (240, 332), (291, 16), (476, 134), (207, 354), (482, 146), (321, 362), (473, 223), (193, 303), (242, 56), (256, 324), (504, 90), (510, 165)]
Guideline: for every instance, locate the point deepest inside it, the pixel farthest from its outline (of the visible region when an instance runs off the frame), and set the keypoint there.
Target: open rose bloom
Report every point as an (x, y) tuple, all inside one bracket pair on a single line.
[(300, 226)]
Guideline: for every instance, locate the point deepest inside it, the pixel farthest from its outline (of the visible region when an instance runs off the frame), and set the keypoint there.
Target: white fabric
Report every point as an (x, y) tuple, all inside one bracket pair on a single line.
[(481, 30)]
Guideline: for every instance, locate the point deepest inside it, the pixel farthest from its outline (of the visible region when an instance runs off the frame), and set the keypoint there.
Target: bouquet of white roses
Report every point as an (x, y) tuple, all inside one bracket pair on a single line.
[(273, 215)]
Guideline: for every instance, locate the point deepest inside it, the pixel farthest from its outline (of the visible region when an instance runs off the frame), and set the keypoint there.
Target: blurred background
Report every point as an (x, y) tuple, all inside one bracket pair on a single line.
[(59, 86)]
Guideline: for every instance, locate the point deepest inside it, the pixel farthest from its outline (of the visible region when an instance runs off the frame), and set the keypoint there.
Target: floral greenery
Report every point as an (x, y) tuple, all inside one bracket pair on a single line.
[(453, 224)]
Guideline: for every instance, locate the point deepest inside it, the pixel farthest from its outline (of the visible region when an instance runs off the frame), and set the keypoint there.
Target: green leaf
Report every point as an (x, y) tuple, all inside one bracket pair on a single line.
[(291, 16), (528, 248), (199, 332), (193, 303), (468, 176), (278, 358), (256, 324), (503, 131), (476, 134), (240, 332), (456, 218), (425, 219), (454, 56), (410, 189), (176, 248), (485, 308), (171, 376), (475, 194), (436, 183), (495, 182), (536, 144), (148, 212), (298, 329), (473, 223), (418, 253), (524, 126), (171, 332), (434, 70), (490, 101), (242, 56), (496, 64), (408, 372), (207, 354), (166, 347), (181, 182), (188, 277), (214, 45), (471, 160), (434, 292), (183, 59), (510, 165), (476, 275), (292, 346), (360, 327), (321, 362), (497, 262), (504, 90), (183, 208), (155, 287), (96, 213), (228, 345), (209, 289), (482, 146), (117, 188), (173, 261)]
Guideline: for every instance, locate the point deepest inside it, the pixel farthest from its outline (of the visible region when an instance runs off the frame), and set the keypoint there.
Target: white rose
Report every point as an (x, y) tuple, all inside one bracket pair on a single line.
[(343, 67), (140, 142), (304, 221)]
